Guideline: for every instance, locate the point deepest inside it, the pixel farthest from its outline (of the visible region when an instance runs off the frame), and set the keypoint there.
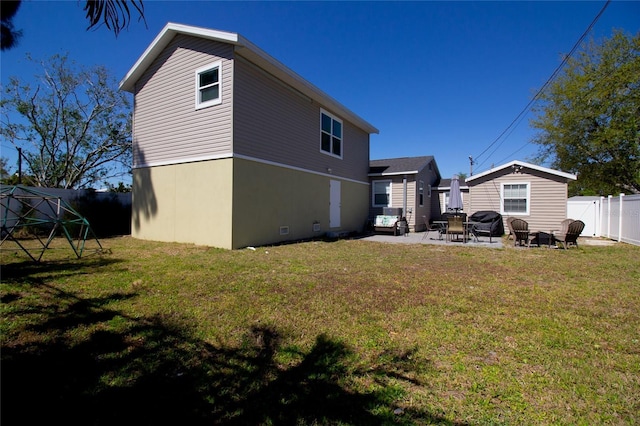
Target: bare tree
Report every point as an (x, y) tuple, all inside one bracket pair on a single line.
[(73, 126)]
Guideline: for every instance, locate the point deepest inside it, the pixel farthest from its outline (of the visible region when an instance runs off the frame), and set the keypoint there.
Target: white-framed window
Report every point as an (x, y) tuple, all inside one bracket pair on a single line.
[(381, 193), (446, 198), (421, 193), (330, 134), (516, 198), (208, 85)]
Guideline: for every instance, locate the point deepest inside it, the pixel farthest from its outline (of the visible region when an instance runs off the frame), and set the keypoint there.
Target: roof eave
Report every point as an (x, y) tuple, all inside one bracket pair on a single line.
[(248, 50), (409, 172), (565, 175), (162, 40), (269, 63)]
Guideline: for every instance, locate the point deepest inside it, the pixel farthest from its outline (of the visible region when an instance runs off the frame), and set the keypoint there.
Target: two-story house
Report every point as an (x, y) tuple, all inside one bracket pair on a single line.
[(233, 149)]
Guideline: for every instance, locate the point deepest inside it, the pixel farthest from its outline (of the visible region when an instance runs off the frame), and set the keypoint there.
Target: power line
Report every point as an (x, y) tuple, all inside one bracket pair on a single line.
[(546, 84)]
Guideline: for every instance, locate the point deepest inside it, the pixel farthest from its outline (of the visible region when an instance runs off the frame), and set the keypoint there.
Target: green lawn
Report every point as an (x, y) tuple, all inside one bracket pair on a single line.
[(345, 332)]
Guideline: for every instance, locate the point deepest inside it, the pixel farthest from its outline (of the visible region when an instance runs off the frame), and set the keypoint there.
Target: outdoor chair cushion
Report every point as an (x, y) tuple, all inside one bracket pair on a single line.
[(386, 221)]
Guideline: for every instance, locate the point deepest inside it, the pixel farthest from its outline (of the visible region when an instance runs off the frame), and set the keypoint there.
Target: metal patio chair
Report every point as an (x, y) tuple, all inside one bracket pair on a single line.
[(431, 227), (455, 226)]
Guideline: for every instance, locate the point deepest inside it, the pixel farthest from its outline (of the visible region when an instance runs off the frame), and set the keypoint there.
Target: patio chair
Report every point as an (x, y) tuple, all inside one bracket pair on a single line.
[(511, 233), (520, 232), (455, 226), (570, 235), (431, 227)]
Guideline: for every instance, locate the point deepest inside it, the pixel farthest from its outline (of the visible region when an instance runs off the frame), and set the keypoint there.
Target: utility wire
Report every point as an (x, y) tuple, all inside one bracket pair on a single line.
[(546, 84)]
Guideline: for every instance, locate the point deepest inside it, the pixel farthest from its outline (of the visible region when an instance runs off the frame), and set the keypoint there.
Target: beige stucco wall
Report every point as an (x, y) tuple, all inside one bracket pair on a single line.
[(267, 197), (189, 202)]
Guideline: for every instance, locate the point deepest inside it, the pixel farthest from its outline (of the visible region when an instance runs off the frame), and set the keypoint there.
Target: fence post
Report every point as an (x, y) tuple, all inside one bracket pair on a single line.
[(609, 198), (620, 219)]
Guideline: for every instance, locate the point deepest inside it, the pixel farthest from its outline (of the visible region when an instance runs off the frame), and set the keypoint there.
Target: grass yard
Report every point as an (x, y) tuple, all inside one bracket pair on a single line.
[(342, 333)]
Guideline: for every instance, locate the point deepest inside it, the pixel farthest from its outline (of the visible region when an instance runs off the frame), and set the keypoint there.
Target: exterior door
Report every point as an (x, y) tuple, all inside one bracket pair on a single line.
[(587, 211), (334, 204)]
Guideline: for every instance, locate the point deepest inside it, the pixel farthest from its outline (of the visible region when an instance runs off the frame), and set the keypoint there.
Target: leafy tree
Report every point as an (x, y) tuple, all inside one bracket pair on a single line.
[(74, 126), (589, 118), (121, 187), (9, 36), (114, 14), (5, 173), (7, 177)]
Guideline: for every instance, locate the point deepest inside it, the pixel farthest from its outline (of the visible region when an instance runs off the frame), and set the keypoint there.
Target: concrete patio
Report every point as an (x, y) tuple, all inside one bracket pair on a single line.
[(433, 238)]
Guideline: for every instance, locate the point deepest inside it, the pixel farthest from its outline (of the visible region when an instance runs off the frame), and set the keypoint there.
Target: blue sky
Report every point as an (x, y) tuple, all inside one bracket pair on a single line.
[(436, 78)]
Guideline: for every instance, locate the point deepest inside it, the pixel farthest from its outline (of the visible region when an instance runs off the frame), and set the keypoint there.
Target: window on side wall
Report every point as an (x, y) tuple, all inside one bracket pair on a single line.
[(330, 134), (446, 199), (421, 194), (381, 193), (516, 198), (208, 85)]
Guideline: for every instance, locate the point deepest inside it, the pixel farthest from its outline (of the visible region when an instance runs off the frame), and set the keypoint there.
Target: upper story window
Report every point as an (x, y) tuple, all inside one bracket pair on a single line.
[(516, 198), (208, 86), (330, 134)]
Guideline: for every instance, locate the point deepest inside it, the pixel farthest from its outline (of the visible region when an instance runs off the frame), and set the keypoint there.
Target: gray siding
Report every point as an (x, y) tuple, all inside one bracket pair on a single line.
[(273, 122), (548, 202), (167, 127), (429, 177)]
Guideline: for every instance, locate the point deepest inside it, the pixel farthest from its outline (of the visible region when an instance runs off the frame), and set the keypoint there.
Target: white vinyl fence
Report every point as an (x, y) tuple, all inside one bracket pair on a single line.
[(620, 218), (617, 218)]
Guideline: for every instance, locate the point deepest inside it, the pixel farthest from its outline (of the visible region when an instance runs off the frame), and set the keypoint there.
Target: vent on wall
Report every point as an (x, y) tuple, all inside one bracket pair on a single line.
[(316, 227), (284, 230)]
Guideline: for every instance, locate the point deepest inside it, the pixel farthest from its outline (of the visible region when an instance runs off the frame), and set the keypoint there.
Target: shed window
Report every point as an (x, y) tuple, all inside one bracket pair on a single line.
[(382, 193), (330, 134), (516, 198), (208, 86)]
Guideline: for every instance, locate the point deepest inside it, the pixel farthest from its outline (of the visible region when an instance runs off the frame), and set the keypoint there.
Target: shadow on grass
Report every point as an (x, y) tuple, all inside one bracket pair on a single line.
[(78, 362)]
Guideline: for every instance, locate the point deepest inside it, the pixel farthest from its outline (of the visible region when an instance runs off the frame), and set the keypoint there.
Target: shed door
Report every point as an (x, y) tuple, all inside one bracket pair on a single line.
[(334, 204), (588, 212)]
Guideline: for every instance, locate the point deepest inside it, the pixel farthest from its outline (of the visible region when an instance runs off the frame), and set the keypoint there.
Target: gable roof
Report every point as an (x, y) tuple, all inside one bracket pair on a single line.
[(516, 163), (248, 50), (400, 166), (443, 184)]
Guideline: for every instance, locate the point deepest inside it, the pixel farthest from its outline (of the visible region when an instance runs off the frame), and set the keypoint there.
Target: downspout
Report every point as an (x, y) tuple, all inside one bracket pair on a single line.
[(404, 196)]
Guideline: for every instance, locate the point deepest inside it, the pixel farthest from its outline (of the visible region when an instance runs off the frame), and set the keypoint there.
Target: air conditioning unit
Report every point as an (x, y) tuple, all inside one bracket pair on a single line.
[(392, 211)]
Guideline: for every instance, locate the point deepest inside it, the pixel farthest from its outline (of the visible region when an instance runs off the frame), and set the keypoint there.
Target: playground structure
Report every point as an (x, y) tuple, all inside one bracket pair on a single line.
[(41, 216)]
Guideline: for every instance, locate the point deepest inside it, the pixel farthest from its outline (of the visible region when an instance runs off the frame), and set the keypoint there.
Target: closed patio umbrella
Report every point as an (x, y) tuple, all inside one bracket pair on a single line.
[(455, 196)]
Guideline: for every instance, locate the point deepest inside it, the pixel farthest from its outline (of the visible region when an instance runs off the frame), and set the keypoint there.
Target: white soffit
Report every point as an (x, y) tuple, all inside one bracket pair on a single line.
[(526, 165)]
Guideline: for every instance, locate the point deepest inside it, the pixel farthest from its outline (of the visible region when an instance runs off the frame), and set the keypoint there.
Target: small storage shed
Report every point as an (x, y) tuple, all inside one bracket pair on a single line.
[(534, 193)]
